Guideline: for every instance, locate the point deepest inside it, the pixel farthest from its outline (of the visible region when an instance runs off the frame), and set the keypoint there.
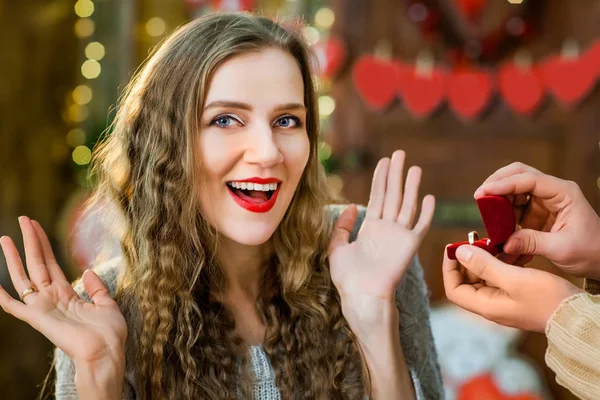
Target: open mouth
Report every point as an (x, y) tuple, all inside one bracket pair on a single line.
[(255, 197), (254, 192)]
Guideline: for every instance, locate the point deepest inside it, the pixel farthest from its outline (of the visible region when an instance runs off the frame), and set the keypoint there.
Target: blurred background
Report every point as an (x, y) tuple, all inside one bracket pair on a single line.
[(464, 86)]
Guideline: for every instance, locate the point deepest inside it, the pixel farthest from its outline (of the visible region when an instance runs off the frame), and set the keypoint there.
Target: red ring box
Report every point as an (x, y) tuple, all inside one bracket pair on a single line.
[(499, 221)]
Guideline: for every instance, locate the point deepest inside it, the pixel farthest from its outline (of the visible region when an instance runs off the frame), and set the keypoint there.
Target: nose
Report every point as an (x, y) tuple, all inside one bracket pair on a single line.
[(262, 148)]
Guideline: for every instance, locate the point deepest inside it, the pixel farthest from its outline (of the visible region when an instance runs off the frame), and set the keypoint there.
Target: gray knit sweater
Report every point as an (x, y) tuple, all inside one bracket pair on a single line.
[(415, 333)]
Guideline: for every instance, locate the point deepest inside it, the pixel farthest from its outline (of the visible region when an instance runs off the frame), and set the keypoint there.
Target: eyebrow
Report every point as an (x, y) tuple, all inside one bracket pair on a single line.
[(244, 106)]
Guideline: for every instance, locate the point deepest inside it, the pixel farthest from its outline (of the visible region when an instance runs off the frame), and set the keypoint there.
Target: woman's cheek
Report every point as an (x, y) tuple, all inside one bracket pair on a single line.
[(296, 153)]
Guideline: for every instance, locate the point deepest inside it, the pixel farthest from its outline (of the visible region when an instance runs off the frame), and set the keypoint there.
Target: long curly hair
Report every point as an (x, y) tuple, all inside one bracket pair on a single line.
[(185, 344)]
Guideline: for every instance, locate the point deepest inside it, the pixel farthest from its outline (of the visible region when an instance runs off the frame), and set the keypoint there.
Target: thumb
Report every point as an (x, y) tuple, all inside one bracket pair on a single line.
[(488, 268), (531, 242), (95, 288), (343, 227)]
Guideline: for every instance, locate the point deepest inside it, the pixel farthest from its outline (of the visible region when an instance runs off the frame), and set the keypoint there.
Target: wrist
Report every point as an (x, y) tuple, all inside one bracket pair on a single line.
[(371, 317), (100, 380)]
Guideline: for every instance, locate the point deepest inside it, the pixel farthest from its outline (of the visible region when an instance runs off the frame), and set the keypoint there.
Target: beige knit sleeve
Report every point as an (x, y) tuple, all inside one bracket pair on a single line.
[(573, 351)]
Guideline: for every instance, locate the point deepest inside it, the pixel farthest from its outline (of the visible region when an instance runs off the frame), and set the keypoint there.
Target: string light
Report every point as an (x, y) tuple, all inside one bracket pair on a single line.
[(84, 8), (91, 69), (94, 51), (324, 18), (82, 155), (84, 27), (76, 137), (156, 26), (326, 105), (82, 94), (77, 113)]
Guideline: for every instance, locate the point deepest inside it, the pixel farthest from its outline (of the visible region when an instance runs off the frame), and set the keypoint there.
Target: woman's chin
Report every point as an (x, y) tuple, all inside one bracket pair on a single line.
[(247, 236)]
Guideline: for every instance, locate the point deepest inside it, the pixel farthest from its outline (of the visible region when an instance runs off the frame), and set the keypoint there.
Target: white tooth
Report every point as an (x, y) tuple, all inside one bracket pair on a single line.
[(250, 186), (235, 185), (258, 186), (273, 186), (266, 187), (243, 185)]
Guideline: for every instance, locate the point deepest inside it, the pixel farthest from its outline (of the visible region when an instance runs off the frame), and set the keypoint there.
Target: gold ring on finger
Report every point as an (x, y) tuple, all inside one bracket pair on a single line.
[(27, 292)]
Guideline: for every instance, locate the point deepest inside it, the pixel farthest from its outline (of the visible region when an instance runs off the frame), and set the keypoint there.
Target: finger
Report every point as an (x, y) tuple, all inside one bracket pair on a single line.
[(16, 271), (451, 273), (488, 268), (96, 289), (15, 308), (342, 229), (411, 195), (504, 172), (427, 211), (36, 266), (532, 242), (539, 185), (378, 186), (455, 287), (393, 193), (54, 270)]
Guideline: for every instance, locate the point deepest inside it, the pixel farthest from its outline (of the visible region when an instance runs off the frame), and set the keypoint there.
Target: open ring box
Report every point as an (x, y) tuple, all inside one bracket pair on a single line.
[(499, 221)]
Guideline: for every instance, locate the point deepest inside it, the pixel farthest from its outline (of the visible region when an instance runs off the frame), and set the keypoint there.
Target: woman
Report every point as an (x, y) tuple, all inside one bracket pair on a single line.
[(561, 225), (234, 284)]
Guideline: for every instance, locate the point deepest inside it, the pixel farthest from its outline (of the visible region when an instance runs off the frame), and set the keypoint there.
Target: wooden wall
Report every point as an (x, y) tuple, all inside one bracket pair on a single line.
[(457, 156)]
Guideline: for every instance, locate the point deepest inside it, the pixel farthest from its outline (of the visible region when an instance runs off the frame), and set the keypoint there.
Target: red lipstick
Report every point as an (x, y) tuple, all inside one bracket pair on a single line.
[(257, 207)]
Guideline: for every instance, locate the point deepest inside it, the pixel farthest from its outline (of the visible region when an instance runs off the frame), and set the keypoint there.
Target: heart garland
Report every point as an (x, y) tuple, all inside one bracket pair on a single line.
[(521, 87), (469, 92), (567, 78), (375, 80), (422, 92)]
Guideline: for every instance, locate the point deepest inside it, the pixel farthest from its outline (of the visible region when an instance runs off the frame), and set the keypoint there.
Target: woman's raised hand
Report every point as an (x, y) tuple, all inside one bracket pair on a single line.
[(92, 334)]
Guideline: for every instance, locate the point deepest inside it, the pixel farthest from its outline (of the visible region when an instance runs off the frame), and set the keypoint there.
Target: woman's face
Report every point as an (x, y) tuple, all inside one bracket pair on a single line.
[(253, 144)]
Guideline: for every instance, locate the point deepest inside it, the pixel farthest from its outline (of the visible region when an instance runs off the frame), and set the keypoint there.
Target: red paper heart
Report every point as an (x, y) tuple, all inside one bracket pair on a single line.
[(521, 88), (568, 79), (469, 92), (592, 56), (484, 387), (422, 93), (375, 79), (331, 54)]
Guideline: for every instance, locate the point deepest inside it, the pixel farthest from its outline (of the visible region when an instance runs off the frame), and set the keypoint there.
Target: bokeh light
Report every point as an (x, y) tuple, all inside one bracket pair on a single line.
[(91, 69), (94, 51), (84, 8)]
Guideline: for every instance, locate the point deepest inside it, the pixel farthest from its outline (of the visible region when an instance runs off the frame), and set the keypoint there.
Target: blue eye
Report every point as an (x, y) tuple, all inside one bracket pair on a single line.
[(225, 121), (288, 122)]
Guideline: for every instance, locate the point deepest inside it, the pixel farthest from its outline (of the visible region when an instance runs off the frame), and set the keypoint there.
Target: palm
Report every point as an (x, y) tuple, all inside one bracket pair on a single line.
[(374, 264), (86, 332)]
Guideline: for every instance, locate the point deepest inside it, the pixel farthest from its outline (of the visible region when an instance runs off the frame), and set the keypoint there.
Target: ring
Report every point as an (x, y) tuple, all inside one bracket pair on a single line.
[(27, 291)]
